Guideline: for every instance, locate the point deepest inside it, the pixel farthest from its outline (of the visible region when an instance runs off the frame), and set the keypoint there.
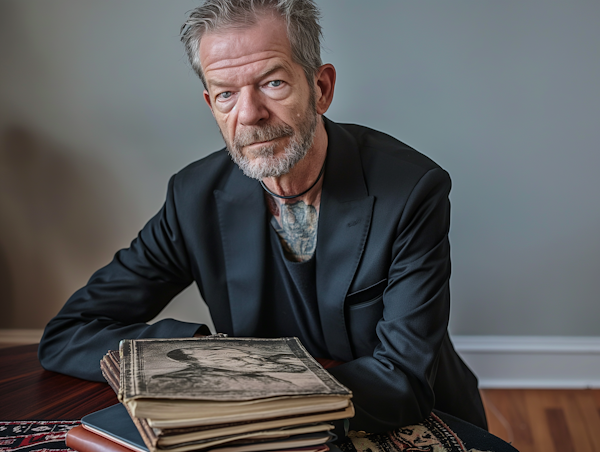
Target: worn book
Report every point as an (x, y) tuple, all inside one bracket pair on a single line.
[(203, 381), (111, 430), (181, 435), (182, 439)]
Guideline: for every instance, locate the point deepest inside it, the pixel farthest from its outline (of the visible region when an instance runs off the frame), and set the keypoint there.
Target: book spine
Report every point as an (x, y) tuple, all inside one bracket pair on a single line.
[(126, 352), (111, 371), (105, 368), (83, 440)]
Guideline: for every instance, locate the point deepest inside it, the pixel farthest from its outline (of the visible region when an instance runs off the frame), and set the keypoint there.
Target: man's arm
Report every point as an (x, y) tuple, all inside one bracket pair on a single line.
[(394, 387), (120, 298)]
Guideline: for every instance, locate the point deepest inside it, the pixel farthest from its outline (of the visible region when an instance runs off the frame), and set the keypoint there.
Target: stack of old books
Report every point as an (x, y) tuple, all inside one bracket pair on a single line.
[(224, 394)]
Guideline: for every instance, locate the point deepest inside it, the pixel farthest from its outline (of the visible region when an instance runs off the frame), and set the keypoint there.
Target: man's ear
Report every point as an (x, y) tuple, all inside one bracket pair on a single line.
[(325, 81), (207, 100)]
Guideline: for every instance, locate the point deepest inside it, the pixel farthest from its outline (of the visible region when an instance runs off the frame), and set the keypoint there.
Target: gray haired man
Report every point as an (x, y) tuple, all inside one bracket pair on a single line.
[(334, 233)]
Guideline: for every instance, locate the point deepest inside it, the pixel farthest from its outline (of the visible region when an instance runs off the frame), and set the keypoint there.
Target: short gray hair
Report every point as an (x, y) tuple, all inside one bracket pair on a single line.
[(301, 18)]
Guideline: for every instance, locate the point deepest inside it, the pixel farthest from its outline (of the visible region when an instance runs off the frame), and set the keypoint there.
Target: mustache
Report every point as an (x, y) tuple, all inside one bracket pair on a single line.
[(257, 134)]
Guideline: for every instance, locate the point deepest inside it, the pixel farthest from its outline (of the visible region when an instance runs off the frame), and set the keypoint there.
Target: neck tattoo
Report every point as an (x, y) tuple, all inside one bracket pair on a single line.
[(296, 226)]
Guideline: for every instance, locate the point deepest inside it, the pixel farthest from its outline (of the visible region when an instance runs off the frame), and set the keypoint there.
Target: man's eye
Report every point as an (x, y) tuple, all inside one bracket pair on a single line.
[(275, 83), (224, 95)]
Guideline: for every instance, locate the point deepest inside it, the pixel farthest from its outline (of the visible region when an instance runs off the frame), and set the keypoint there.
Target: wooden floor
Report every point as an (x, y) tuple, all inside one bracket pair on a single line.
[(544, 420)]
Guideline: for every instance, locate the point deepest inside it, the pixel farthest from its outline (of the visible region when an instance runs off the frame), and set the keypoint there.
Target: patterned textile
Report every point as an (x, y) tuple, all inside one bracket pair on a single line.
[(35, 436), (431, 435)]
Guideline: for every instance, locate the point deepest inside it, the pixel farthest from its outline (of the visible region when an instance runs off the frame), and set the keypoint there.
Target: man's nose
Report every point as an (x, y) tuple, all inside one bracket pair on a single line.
[(251, 107)]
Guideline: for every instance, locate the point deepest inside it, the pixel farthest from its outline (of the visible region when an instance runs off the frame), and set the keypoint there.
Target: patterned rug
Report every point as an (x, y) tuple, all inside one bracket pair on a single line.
[(431, 435), (30, 436)]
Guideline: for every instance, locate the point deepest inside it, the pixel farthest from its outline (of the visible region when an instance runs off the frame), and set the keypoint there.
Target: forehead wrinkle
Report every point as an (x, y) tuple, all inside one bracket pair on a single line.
[(271, 68), (242, 60)]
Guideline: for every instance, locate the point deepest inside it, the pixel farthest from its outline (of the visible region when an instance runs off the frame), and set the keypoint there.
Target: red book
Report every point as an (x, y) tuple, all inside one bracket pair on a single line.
[(83, 440)]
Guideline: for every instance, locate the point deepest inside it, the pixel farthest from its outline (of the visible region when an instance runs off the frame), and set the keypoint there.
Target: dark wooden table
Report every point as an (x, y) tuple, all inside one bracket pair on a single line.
[(28, 392)]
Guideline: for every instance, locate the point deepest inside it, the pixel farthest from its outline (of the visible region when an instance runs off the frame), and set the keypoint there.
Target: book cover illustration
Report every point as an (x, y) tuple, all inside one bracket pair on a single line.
[(224, 369)]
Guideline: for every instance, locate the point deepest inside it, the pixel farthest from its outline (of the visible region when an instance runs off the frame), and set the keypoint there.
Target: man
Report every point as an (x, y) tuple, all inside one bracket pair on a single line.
[(333, 233)]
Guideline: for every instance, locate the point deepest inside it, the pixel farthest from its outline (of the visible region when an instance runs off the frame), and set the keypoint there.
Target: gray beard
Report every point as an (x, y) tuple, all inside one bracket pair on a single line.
[(268, 164)]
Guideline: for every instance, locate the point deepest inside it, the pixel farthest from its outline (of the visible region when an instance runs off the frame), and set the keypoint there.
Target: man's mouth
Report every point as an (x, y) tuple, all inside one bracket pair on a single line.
[(252, 139), (258, 143), (265, 141)]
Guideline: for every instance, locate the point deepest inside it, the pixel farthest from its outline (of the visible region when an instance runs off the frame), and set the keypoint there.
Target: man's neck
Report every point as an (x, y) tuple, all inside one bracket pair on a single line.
[(304, 173), (295, 220)]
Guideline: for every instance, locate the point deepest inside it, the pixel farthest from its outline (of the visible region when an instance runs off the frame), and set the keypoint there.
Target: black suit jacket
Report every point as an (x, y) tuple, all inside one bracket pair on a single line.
[(382, 274)]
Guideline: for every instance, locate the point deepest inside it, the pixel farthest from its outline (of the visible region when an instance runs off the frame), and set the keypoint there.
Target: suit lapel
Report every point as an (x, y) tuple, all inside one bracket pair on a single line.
[(243, 224), (344, 221)]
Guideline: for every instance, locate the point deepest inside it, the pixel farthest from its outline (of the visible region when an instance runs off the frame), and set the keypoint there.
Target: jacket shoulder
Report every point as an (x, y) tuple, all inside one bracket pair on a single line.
[(380, 146), (206, 174), (217, 162)]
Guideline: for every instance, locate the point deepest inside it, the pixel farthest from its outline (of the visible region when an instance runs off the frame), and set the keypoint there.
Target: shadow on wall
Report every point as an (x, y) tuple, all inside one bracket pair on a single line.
[(55, 225)]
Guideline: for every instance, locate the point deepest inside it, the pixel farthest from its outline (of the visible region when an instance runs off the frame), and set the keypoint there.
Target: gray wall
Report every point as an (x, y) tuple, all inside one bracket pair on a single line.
[(98, 108)]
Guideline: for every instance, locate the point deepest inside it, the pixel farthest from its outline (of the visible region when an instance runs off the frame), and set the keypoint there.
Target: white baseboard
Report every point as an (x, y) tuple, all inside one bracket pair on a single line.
[(20, 336), (532, 361)]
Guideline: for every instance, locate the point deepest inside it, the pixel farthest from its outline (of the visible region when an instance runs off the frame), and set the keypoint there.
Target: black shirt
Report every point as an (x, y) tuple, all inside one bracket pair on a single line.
[(292, 310)]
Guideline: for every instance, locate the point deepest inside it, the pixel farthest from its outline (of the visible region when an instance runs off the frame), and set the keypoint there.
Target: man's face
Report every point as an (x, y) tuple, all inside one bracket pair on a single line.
[(259, 97)]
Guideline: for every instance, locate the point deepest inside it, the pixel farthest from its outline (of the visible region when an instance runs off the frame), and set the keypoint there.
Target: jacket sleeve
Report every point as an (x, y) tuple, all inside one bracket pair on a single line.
[(394, 386), (120, 298)]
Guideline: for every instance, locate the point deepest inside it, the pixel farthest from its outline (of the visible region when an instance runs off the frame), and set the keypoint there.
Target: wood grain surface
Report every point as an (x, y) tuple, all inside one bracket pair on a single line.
[(545, 420), (28, 392), (532, 420)]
